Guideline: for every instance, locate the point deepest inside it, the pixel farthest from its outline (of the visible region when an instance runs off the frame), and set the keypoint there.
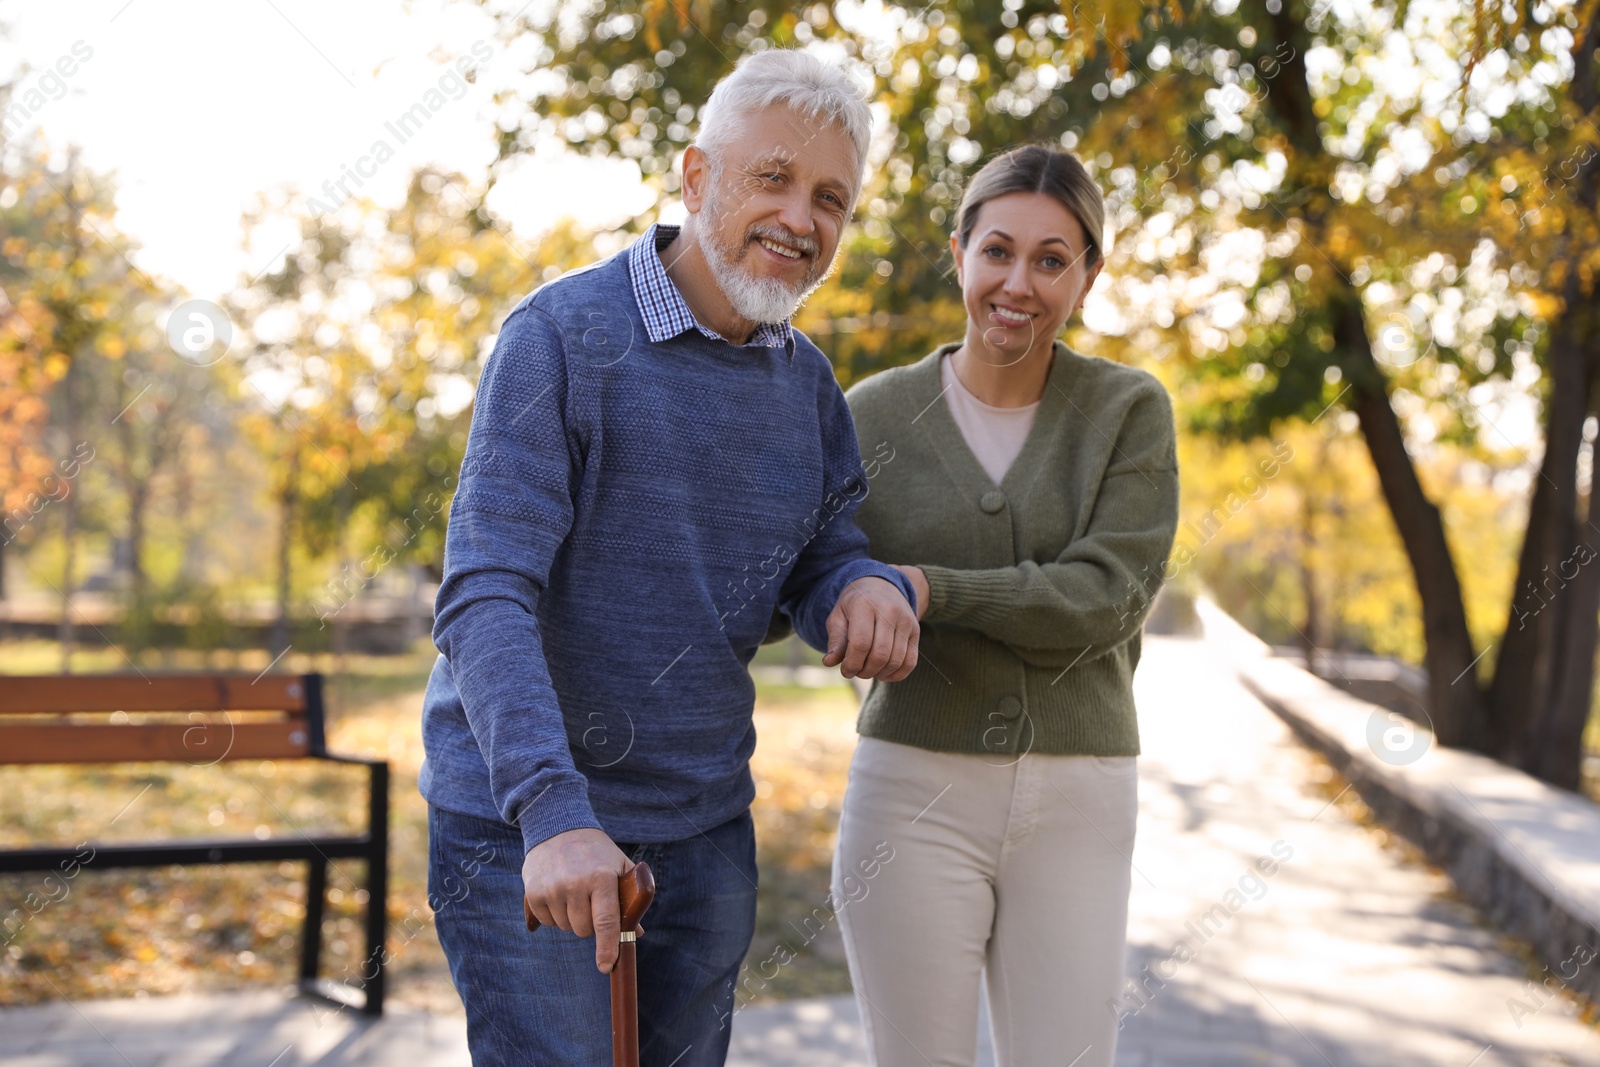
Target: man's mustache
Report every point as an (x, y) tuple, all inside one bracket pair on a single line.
[(784, 236)]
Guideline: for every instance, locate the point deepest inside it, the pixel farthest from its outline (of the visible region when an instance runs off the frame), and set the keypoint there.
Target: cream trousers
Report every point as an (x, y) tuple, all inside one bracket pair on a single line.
[(951, 867)]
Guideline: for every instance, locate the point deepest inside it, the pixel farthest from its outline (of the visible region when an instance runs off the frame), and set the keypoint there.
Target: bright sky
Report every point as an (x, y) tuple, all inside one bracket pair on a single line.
[(197, 107)]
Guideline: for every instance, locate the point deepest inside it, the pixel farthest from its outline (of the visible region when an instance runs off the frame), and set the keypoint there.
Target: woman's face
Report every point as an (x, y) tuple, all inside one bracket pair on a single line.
[(1022, 274)]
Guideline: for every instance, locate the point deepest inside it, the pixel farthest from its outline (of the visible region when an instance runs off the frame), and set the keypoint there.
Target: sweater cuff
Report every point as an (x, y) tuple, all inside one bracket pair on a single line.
[(950, 591), (562, 807)]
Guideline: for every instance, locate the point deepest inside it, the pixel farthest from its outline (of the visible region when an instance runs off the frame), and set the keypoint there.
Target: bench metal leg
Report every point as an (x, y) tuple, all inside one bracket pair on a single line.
[(377, 888), (311, 933)]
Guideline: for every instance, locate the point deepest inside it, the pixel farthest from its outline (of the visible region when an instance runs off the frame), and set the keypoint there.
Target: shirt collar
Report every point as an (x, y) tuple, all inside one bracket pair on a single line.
[(666, 313)]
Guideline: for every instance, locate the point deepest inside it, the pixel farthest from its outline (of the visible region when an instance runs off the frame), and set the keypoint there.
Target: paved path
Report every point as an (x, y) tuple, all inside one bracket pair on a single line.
[(1347, 955), (1344, 955)]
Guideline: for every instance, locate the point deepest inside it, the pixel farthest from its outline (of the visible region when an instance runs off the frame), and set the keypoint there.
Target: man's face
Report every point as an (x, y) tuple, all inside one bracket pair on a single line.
[(770, 209)]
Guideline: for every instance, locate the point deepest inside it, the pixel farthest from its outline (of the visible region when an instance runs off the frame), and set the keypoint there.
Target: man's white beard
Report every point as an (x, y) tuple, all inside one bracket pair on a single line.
[(754, 298)]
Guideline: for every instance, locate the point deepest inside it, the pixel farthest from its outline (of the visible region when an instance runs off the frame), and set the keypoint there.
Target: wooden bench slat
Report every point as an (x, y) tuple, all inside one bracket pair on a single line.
[(185, 742), (133, 692)]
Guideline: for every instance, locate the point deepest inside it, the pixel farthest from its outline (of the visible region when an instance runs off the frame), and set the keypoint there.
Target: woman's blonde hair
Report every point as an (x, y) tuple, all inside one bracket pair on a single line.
[(1037, 168)]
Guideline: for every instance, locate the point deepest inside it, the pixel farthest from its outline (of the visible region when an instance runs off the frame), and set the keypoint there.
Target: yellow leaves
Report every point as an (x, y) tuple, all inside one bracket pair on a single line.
[(1340, 243), (1117, 24), (28, 409), (654, 12), (1542, 305)]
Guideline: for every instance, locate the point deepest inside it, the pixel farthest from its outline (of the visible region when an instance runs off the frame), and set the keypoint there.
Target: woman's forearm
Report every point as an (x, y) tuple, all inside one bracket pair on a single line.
[(1094, 594)]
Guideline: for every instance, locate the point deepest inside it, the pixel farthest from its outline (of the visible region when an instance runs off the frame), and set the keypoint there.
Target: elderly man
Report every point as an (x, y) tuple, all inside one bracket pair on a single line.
[(657, 462)]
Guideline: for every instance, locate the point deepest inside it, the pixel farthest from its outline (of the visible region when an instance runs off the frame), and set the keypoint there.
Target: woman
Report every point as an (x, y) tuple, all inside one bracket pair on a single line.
[(1031, 495)]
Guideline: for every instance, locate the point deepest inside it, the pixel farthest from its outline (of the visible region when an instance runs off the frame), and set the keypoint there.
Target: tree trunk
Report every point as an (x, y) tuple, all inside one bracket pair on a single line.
[(65, 631), (286, 502), (419, 617), (1544, 701), (137, 490), (1455, 702), (1544, 618), (137, 507), (341, 619), (1554, 740), (1525, 646), (1544, 676), (1312, 629), (191, 570)]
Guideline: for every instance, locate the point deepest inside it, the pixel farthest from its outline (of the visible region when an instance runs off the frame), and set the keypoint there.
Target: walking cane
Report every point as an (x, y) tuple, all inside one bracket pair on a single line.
[(635, 891)]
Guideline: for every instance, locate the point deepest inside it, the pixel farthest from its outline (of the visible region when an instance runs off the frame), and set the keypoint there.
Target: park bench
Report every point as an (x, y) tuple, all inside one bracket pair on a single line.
[(191, 719)]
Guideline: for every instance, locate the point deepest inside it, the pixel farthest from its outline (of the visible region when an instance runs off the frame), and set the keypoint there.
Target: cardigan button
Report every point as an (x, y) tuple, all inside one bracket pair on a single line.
[(992, 501), (1009, 707)]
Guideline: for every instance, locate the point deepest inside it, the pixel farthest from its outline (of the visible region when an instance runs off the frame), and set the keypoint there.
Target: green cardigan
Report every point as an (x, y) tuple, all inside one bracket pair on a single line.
[(1039, 586)]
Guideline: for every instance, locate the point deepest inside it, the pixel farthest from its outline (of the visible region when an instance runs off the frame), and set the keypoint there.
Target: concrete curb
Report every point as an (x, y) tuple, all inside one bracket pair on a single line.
[(1523, 852)]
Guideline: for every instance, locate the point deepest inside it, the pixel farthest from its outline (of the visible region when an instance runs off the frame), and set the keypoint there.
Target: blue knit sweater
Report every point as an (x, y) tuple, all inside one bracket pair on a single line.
[(629, 513)]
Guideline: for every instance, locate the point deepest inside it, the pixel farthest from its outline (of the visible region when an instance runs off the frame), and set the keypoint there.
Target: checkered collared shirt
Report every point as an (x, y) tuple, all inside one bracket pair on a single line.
[(666, 313)]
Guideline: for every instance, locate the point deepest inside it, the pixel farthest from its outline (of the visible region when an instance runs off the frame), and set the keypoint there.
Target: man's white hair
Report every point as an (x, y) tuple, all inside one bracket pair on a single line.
[(815, 89)]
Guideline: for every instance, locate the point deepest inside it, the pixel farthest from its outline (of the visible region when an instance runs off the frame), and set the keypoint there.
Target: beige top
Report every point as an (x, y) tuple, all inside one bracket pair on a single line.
[(995, 435)]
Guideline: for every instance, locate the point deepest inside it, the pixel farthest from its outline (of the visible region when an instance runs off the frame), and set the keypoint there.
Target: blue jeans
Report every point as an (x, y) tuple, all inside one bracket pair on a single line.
[(538, 999)]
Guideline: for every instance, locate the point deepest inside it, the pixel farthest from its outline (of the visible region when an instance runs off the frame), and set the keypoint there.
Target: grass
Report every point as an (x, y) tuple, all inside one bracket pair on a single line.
[(169, 930)]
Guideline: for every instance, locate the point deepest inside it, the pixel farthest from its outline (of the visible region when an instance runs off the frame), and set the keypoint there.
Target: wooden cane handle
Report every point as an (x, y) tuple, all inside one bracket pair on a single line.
[(635, 891)]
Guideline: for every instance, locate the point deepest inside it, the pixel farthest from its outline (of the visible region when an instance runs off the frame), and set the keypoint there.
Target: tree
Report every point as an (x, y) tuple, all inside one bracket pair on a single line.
[(1395, 292), (1543, 682), (1376, 288), (954, 79), (160, 410), (76, 293), (360, 356), (28, 370)]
